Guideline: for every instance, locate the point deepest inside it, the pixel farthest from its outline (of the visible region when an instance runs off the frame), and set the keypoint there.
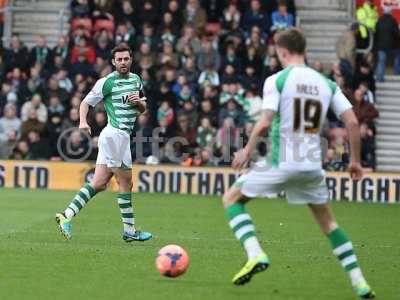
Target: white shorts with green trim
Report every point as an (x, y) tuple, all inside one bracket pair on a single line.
[(300, 187), (114, 148)]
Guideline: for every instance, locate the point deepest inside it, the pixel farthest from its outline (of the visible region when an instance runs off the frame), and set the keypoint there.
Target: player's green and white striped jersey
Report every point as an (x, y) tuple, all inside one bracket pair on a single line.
[(300, 96), (114, 90)]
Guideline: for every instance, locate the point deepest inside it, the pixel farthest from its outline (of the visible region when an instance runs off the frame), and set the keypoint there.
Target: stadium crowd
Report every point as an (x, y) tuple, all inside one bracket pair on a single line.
[(202, 64)]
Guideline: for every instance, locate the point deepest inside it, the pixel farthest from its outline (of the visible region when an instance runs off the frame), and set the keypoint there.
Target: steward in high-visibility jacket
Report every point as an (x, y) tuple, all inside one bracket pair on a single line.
[(367, 16)]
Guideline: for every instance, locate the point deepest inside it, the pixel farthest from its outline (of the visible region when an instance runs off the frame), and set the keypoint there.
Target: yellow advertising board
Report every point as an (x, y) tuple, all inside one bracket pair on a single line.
[(374, 187)]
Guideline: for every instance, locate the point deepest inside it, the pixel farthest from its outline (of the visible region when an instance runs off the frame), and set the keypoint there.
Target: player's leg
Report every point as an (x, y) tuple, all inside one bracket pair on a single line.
[(342, 248), (242, 226), (124, 198), (102, 176)]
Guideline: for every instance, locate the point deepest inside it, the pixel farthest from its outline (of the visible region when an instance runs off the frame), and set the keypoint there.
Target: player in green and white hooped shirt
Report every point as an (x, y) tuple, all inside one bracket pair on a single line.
[(295, 104), (123, 97)]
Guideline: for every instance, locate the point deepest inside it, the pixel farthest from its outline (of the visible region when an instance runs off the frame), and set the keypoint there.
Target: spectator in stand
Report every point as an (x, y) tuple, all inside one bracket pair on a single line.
[(189, 110), (227, 140), (53, 88), (333, 162), (190, 38), (205, 133), (61, 49), (272, 5), (148, 13), (364, 73), (209, 76), (318, 66), (231, 17), (168, 56), (190, 71), (257, 41), (83, 49), (367, 16), (231, 58), (100, 121), (229, 75), (281, 19), (168, 23), (250, 80), (103, 45), (63, 81), (368, 95), (52, 132), (346, 52), (10, 127), (256, 17), (21, 151), (185, 95), (81, 66), (148, 37), (72, 120), (208, 55), (195, 15), (187, 133), (16, 56), (252, 59), (145, 130), (367, 147), (165, 115), (174, 8), (253, 106), (77, 146), (232, 111), (274, 67), (38, 106), (55, 107), (40, 53), (387, 42), (31, 124), (213, 9), (125, 12), (124, 35), (81, 8), (35, 83), (207, 111), (38, 147), (180, 82), (365, 112)]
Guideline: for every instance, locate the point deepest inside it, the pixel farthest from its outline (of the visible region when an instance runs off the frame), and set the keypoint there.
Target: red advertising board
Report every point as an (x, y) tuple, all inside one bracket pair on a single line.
[(395, 4)]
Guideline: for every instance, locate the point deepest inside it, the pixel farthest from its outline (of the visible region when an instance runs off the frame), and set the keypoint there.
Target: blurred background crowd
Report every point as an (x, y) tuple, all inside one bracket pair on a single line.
[(202, 63)]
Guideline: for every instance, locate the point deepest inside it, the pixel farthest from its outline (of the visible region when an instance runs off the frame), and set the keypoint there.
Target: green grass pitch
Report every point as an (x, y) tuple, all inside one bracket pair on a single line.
[(36, 263)]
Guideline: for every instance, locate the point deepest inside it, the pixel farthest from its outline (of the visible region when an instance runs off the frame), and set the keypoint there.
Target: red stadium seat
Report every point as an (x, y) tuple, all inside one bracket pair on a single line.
[(104, 24), (86, 23)]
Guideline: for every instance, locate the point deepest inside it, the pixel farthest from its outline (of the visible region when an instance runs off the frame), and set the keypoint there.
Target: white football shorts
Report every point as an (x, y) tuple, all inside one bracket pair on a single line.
[(114, 148), (300, 187)]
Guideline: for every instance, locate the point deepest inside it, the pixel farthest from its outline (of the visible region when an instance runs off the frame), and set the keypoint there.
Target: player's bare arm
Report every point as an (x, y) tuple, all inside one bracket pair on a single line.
[(243, 156), (83, 111), (350, 120)]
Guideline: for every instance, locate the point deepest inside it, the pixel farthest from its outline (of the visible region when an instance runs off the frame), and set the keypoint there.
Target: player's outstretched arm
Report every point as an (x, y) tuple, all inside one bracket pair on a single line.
[(351, 122), (83, 111), (243, 156)]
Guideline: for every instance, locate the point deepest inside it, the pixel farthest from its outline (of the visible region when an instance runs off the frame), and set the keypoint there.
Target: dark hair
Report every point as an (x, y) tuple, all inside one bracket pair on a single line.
[(291, 39), (121, 48), (282, 3)]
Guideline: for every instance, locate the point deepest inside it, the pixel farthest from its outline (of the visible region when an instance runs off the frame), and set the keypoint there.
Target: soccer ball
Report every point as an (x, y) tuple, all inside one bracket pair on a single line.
[(172, 261)]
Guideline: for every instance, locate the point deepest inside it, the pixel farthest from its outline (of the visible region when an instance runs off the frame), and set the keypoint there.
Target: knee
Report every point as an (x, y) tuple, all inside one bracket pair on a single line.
[(126, 183), (230, 197), (226, 200), (98, 186)]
